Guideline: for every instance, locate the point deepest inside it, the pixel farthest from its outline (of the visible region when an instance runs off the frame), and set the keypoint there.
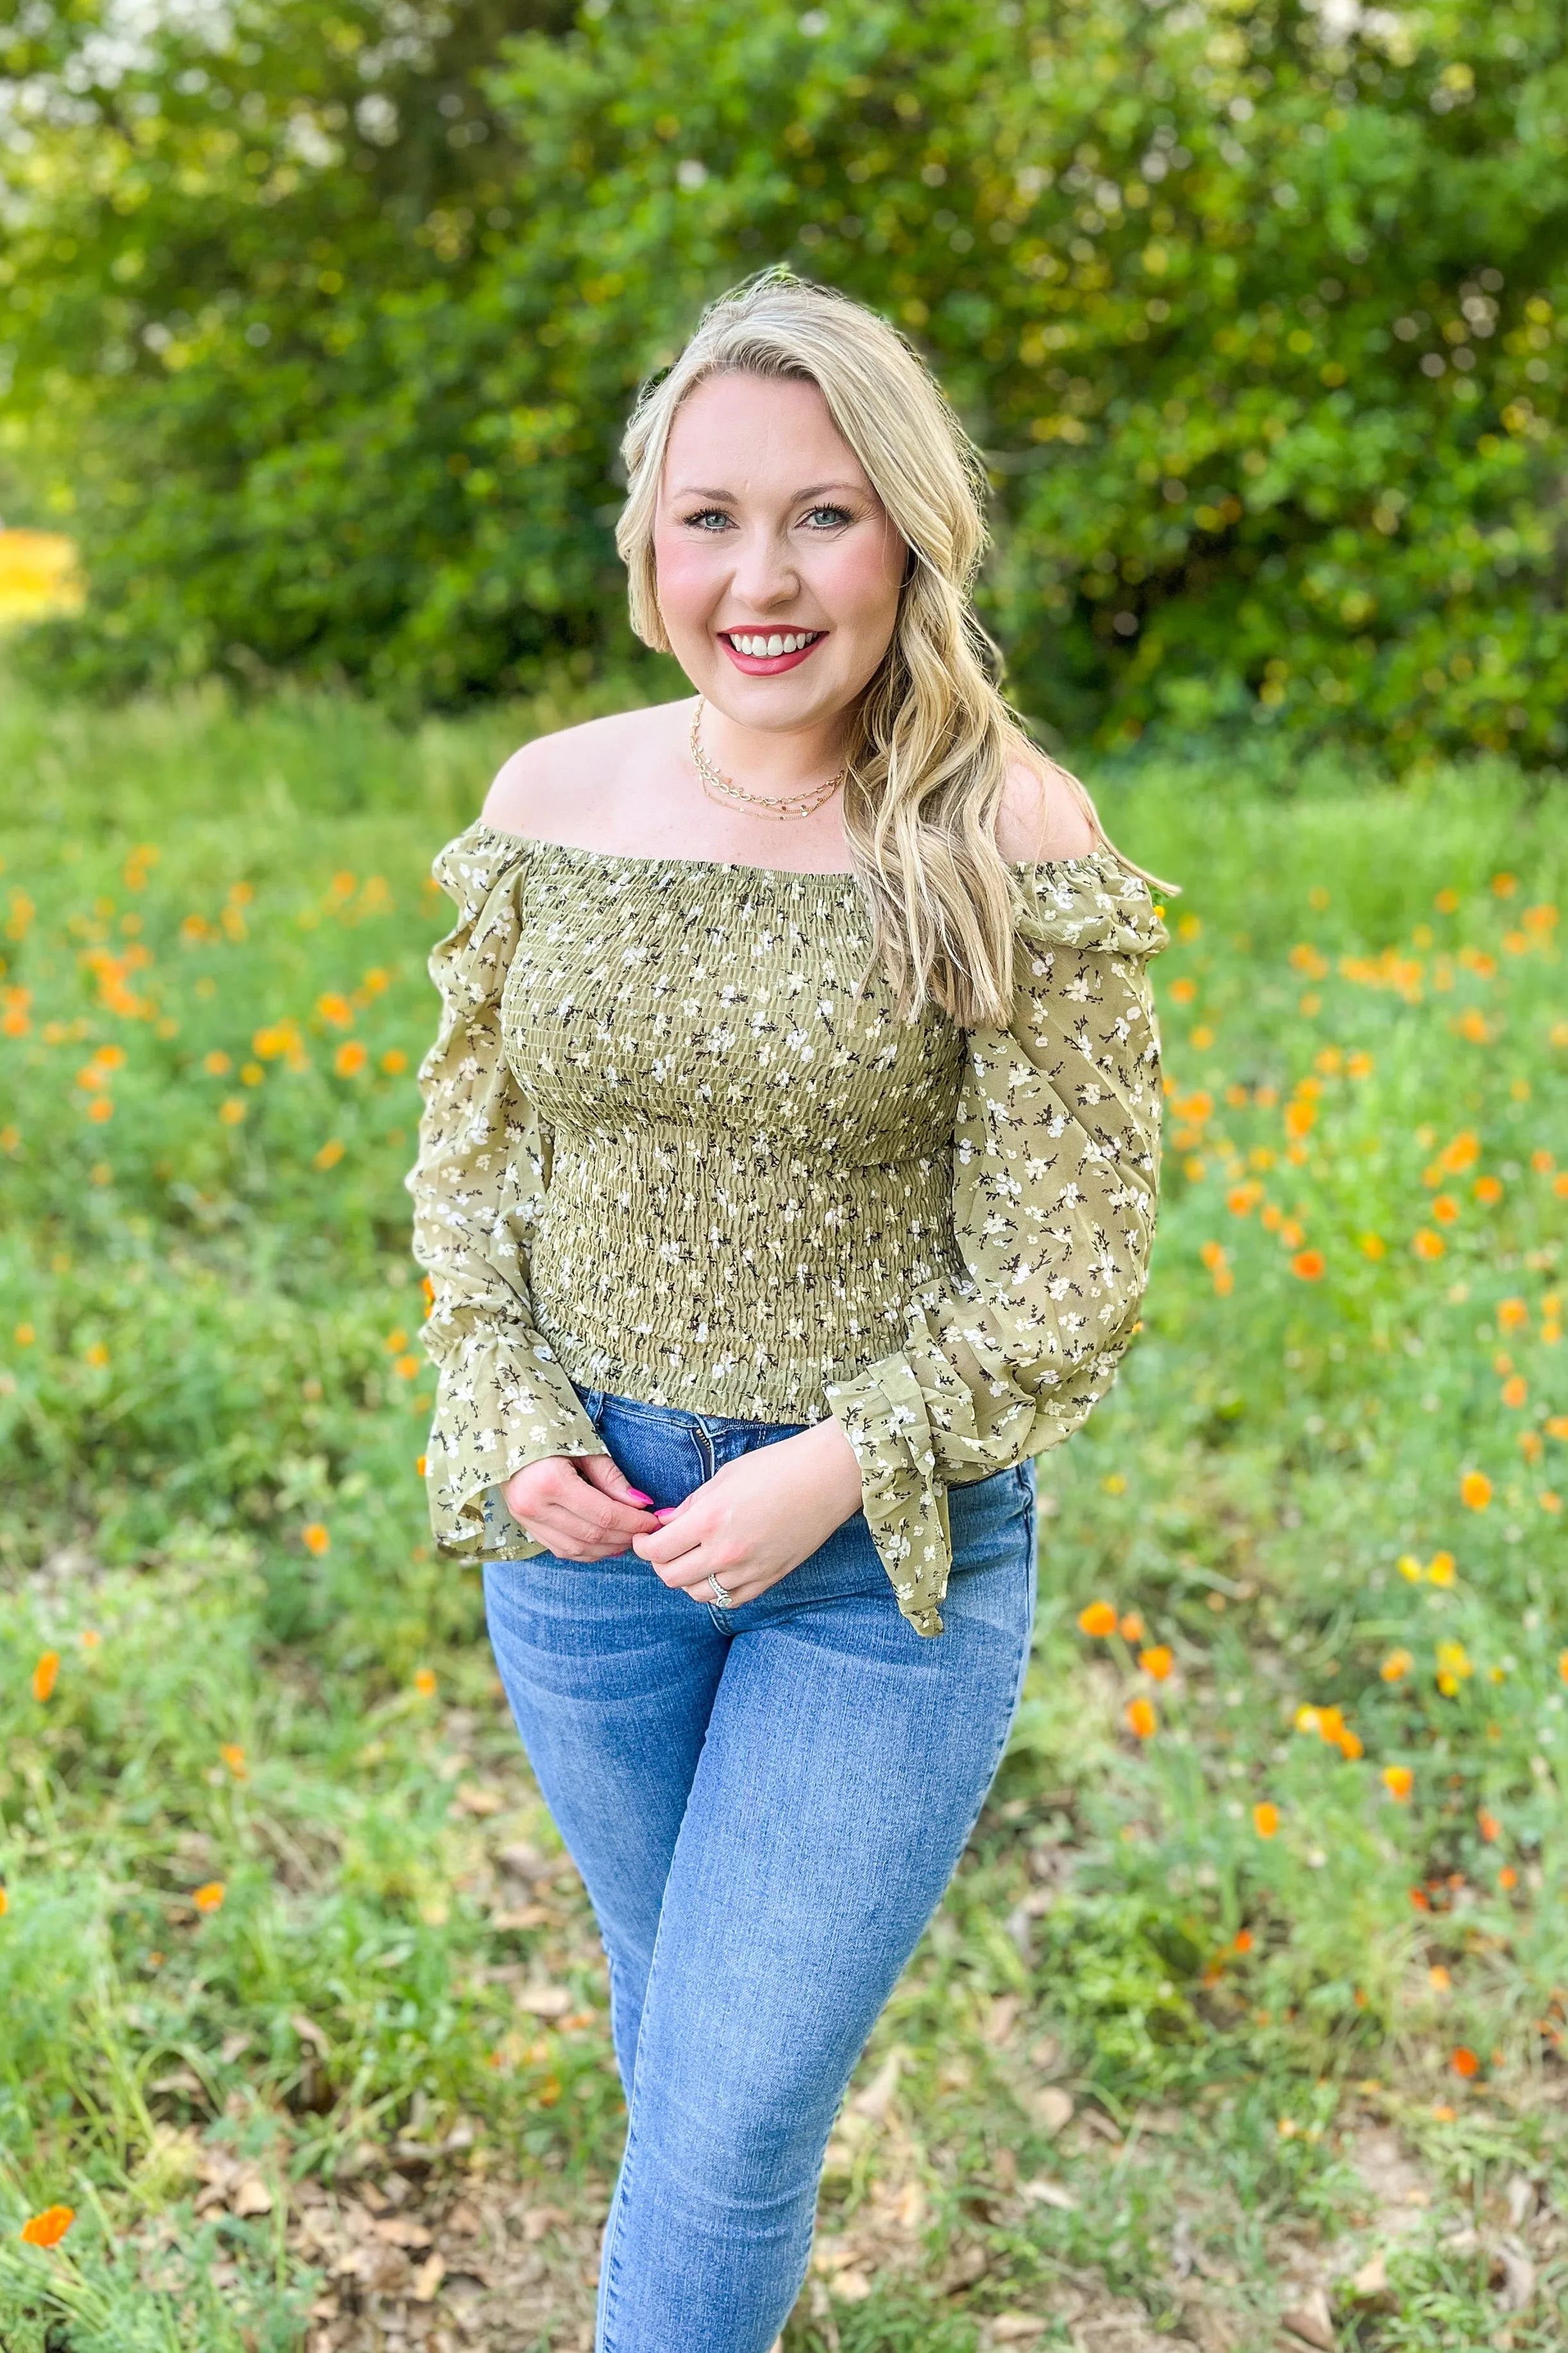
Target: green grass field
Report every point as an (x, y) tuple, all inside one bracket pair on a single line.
[(1246, 2012)]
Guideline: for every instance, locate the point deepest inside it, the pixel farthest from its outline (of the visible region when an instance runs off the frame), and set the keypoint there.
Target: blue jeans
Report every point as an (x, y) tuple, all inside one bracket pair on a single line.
[(766, 1804)]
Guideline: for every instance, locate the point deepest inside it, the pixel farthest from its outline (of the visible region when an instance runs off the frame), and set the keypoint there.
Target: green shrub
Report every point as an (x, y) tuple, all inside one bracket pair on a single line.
[(1259, 323)]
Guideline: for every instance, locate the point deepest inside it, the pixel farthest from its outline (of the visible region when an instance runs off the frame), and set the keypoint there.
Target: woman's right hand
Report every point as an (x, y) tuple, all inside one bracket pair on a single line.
[(580, 1505)]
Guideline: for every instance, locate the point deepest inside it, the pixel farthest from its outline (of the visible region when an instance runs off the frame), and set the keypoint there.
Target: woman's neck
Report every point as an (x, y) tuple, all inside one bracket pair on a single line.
[(775, 760)]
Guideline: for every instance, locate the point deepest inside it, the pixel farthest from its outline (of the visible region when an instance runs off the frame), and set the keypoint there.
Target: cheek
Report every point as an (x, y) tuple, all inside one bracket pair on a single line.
[(858, 583), (687, 574)]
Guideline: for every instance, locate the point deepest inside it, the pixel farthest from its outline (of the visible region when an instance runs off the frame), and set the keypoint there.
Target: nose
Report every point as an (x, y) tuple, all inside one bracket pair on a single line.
[(764, 576)]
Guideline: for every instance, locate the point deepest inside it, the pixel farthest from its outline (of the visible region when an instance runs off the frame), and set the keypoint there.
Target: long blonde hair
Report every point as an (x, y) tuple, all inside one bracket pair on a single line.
[(932, 739)]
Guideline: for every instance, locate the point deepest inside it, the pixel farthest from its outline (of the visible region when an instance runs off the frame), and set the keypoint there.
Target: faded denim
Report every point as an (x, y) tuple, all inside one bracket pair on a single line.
[(766, 1804)]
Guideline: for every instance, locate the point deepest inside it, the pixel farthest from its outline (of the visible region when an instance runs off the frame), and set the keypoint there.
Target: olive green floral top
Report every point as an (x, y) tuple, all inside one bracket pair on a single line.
[(668, 1151)]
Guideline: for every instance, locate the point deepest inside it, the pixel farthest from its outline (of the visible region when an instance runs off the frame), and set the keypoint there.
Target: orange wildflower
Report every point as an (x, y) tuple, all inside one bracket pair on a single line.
[(336, 1010), (1515, 1390), (350, 1057), (1508, 1878), (1398, 1780), (316, 1538), (1512, 1314), (425, 1682), (1159, 1661), (1310, 1264), (330, 1153), (1445, 1208), (1374, 1246), (1143, 1719), (45, 1674), (1465, 2063), (208, 1898), (1098, 1619), (1488, 1190), (1427, 1244), (1474, 1490), (47, 2229), (1488, 1825), (421, 1463), (1266, 1820), (1397, 1663), (233, 1756), (1242, 1941), (1440, 1569), (408, 1368), (394, 1060), (1131, 1628)]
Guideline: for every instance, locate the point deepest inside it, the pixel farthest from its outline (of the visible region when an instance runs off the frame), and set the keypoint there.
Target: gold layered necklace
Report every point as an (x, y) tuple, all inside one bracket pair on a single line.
[(721, 788)]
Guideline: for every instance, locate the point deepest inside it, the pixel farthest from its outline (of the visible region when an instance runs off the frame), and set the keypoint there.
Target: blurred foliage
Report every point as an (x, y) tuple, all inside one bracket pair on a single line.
[(323, 323)]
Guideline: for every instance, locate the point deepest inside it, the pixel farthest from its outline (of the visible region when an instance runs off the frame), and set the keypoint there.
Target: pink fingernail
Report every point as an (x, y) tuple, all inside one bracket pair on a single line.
[(668, 1512), (638, 1497)]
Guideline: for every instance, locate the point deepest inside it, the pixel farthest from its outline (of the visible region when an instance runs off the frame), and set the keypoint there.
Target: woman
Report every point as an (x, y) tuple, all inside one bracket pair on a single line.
[(787, 1180)]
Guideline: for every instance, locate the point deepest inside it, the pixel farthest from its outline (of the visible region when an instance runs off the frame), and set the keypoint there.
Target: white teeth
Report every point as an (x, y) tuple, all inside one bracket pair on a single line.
[(767, 648)]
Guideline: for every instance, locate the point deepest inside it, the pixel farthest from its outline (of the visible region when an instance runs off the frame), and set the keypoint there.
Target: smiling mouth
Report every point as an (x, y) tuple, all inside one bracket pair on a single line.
[(768, 645)]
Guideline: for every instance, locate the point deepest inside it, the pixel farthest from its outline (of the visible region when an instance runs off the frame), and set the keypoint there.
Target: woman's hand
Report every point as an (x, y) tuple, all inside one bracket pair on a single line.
[(581, 1505), (759, 1517)]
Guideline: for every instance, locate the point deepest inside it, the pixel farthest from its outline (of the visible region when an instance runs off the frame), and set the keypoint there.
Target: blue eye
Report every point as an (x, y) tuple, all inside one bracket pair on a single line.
[(708, 520), (829, 518)]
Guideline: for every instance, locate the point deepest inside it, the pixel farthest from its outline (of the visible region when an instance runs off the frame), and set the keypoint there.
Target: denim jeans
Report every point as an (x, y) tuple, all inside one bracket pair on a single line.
[(766, 1804)]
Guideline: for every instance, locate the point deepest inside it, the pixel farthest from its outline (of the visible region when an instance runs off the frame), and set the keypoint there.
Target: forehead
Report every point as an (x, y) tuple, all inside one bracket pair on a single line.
[(762, 433)]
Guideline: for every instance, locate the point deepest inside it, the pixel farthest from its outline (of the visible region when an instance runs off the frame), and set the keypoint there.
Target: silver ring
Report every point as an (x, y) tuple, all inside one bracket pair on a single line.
[(725, 1600)]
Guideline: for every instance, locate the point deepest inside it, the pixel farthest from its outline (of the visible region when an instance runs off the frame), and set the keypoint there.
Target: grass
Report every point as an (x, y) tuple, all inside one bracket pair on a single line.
[(1256, 2017)]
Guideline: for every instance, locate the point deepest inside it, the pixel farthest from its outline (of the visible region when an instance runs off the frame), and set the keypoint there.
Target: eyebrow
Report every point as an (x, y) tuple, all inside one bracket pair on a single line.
[(813, 491)]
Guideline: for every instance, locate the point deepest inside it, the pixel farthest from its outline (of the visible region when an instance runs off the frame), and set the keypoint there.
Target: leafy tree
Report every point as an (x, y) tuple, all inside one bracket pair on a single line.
[(1258, 321)]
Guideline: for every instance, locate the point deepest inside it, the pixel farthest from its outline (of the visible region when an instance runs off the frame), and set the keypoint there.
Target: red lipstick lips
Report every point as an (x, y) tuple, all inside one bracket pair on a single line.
[(768, 664)]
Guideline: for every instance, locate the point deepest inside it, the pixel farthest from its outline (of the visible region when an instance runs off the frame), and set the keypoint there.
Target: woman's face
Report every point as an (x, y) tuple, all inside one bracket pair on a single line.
[(779, 568)]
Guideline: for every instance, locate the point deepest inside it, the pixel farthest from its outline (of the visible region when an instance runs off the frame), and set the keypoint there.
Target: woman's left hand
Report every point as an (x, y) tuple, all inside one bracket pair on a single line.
[(759, 1517)]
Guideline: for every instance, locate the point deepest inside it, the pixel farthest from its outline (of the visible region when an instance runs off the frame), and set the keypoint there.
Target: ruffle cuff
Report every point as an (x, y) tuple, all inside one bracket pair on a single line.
[(882, 1412), (501, 1403)]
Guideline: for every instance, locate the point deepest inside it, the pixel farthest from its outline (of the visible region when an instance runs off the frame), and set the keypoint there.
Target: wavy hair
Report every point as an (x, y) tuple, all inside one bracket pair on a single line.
[(931, 737)]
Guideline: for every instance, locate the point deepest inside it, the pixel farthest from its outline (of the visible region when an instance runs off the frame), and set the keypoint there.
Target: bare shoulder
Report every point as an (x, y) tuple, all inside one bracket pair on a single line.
[(1044, 812), (543, 780)]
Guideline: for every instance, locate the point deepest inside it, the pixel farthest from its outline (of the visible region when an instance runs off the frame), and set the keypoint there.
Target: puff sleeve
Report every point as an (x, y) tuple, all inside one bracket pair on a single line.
[(1056, 1171), (502, 1400)]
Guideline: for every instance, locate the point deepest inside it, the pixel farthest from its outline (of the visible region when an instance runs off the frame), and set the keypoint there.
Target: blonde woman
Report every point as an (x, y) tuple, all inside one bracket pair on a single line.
[(787, 1181)]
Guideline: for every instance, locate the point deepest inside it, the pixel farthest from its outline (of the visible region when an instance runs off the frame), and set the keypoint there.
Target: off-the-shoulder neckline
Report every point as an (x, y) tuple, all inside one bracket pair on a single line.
[(1095, 859)]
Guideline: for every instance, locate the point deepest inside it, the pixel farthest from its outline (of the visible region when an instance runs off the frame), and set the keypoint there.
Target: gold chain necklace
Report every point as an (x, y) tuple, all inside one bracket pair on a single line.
[(719, 786)]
